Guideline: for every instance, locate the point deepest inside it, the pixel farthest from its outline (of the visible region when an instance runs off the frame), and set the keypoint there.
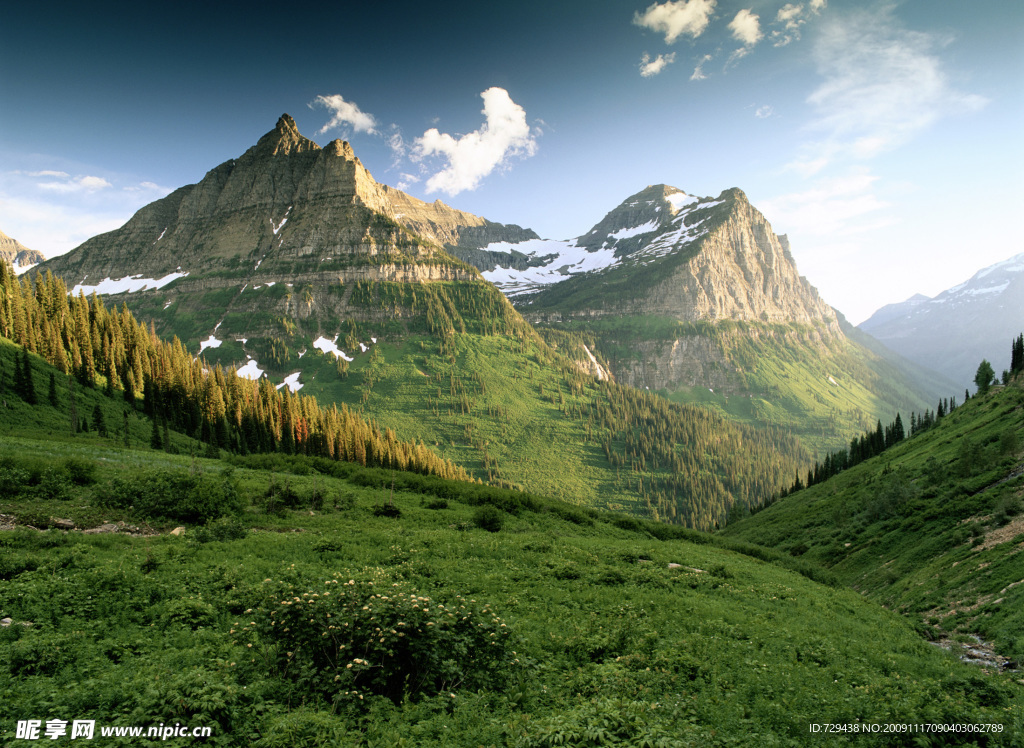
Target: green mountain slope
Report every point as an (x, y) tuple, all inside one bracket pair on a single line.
[(701, 301), (932, 527)]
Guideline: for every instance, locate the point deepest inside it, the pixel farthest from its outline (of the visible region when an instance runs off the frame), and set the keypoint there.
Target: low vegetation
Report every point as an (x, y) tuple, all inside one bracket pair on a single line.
[(439, 626)]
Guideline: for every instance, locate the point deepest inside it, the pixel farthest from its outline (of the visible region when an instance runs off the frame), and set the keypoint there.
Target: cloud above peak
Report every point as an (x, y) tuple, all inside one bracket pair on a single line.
[(504, 134), (675, 18), (345, 114)]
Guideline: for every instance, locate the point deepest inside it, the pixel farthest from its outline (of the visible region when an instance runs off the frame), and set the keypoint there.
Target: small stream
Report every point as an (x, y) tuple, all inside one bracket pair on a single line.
[(979, 652)]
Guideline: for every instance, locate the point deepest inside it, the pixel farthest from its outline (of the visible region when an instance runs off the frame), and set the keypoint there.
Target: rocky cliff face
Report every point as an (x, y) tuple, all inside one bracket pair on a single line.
[(16, 253), (285, 212), (690, 259), (285, 199)]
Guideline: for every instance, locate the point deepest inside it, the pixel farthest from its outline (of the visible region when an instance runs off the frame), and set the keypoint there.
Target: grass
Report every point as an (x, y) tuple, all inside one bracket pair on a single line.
[(609, 645), (931, 527)]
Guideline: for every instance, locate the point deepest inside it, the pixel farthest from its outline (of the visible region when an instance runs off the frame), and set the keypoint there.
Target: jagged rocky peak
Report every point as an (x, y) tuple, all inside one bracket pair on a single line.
[(285, 139), (284, 200)]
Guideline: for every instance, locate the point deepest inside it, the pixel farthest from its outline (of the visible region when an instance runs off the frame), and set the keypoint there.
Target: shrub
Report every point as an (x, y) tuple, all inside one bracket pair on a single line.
[(54, 484), (489, 518), (387, 510), (13, 481), (80, 472), (182, 497), (223, 529), (436, 504), (378, 636)]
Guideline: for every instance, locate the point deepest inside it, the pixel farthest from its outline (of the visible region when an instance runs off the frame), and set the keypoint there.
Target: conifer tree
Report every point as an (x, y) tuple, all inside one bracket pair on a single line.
[(154, 440), (98, 424), (53, 390), (28, 386)]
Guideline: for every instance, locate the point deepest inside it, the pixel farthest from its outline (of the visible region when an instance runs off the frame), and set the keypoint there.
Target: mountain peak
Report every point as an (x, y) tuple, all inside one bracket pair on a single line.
[(286, 124), (285, 139)]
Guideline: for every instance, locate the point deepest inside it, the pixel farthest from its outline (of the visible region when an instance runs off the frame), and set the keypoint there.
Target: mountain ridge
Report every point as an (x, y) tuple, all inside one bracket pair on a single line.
[(959, 327)]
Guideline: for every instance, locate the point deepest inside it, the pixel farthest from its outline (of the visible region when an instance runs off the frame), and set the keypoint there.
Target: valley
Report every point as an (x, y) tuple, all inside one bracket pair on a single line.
[(502, 490)]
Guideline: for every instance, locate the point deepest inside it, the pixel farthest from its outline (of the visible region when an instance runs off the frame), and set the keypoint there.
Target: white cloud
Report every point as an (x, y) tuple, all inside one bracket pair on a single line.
[(346, 114), (676, 18), (763, 112), (76, 184), (882, 84), (406, 181), (698, 72), (473, 156), (649, 67), (54, 228), (746, 28), (791, 17), (45, 173), (150, 187), (834, 206)]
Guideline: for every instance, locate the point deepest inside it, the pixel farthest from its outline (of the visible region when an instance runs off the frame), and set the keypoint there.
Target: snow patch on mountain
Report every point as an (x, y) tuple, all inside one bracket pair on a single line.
[(125, 285), (645, 228), (251, 370), (564, 259), (210, 342), (292, 382), (330, 346)]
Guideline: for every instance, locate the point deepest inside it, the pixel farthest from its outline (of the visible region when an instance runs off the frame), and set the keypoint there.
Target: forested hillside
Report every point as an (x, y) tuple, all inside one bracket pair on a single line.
[(471, 381)]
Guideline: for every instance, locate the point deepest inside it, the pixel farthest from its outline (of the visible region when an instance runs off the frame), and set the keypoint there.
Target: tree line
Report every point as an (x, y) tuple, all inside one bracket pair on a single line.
[(873, 443), (105, 348)]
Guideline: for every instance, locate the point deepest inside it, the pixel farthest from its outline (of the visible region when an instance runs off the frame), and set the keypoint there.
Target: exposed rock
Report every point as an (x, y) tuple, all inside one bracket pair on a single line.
[(16, 253), (102, 529), (283, 206), (177, 532), (62, 524)]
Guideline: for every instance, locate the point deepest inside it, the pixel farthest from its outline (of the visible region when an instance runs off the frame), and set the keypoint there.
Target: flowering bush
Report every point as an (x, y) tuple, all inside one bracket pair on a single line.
[(377, 636)]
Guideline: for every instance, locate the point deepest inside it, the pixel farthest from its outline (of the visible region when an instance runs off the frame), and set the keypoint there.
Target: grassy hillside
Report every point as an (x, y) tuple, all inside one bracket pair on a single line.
[(824, 391), (341, 605), (932, 527)]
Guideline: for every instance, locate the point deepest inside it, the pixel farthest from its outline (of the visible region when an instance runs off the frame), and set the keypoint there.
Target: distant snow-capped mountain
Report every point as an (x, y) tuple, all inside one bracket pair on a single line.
[(954, 331)]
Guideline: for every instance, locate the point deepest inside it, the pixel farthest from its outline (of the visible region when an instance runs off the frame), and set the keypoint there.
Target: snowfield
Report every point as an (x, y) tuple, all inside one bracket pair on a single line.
[(125, 285)]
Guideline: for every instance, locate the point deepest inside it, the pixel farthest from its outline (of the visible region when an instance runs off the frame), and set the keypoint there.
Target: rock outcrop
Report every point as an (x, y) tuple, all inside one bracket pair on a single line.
[(310, 223), (16, 253), (690, 259)]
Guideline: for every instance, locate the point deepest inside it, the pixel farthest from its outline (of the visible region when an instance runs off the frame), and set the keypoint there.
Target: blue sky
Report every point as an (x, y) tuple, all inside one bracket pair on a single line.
[(883, 137)]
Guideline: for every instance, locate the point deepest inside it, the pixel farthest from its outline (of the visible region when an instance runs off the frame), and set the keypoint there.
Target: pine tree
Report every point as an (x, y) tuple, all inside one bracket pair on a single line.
[(1017, 355), (53, 390), (154, 440), (30, 387), (98, 424), (73, 410), (19, 375)]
